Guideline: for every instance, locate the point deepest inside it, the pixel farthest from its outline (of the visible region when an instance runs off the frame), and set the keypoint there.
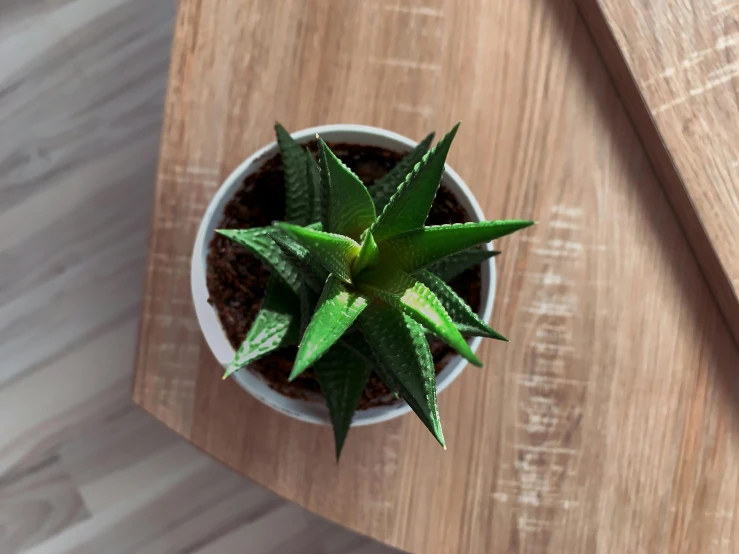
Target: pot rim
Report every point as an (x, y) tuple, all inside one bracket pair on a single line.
[(312, 411)]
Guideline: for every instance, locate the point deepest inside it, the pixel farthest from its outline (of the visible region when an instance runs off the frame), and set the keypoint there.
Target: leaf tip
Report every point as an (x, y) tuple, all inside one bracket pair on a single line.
[(464, 350), (228, 233), (452, 133), (323, 148), (281, 133), (493, 334), (439, 436), (298, 367)]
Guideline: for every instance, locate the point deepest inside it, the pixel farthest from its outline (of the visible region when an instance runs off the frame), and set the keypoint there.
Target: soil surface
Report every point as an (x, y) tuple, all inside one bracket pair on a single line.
[(237, 280)]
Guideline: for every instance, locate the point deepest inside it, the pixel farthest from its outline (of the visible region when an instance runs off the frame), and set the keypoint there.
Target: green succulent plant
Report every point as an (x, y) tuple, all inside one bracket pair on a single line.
[(357, 281)]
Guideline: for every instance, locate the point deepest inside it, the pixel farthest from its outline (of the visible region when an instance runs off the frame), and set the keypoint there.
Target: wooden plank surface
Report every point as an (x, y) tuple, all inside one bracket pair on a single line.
[(676, 65), (82, 469), (609, 424)]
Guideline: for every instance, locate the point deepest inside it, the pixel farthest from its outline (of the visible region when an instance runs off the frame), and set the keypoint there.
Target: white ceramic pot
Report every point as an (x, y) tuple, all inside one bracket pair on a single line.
[(313, 410)]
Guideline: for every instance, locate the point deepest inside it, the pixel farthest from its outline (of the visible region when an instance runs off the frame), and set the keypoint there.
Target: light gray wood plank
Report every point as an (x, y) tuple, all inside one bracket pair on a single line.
[(37, 502), (84, 107)]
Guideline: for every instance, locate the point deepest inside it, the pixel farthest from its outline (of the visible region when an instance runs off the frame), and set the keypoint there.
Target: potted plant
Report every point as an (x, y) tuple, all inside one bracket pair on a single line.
[(323, 289)]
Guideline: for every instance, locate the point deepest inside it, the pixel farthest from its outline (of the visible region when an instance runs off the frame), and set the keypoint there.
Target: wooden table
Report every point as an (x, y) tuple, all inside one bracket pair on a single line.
[(676, 66), (609, 423)]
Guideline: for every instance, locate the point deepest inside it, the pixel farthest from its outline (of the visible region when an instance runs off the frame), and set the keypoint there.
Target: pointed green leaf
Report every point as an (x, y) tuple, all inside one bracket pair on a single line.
[(355, 340), (448, 268), (418, 249), (312, 272), (349, 210), (385, 187), (466, 320), (335, 252), (342, 375), (415, 299), (314, 184), (276, 326), (298, 195), (368, 254), (405, 362), (259, 242), (336, 311), (409, 207), (308, 302)]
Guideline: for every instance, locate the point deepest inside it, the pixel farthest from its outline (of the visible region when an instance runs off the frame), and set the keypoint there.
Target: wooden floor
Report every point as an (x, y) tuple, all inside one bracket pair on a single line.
[(81, 469)]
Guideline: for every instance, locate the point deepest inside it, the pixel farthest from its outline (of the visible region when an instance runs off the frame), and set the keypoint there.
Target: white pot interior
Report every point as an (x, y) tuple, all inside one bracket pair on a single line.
[(313, 409)]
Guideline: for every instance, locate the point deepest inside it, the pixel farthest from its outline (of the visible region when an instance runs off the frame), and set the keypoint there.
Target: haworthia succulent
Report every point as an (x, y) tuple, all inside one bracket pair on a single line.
[(418, 249), (277, 325), (466, 320), (405, 293), (299, 197), (409, 207), (405, 360), (357, 292), (335, 312), (342, 376), (349, 209), (385, 187), (448, 268)]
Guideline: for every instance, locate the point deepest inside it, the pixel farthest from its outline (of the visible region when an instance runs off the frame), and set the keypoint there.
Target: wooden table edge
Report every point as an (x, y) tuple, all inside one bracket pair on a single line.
[(663, 163)]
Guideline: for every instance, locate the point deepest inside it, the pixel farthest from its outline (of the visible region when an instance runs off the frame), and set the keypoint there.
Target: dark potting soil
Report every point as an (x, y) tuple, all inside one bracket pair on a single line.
[(237, 280)]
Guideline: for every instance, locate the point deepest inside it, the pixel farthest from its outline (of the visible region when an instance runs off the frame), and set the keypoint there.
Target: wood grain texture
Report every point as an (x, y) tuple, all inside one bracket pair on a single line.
[(82, 469), (609, 424), (37, 502), (676, 65)]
